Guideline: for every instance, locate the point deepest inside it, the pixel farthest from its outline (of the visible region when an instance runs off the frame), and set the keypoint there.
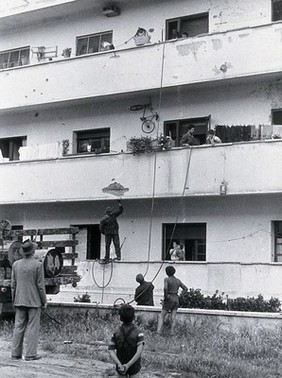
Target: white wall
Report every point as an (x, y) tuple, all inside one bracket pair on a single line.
[(228, 104), (239, 244), (225, 15), (238, 228)]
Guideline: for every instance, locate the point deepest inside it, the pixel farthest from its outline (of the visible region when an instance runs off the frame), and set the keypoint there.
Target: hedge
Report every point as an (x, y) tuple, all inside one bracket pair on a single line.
[(194, 298)]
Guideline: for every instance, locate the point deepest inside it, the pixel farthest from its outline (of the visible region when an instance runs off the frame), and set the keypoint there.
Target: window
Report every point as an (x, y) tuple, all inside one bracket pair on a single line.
[(10, 147), (192, 25), (192, 237), (276, 10), (176, 129), (13, 235), (277, 116), (14, 58), (96, 140), (93, 43), (277, 241), (89, 240)]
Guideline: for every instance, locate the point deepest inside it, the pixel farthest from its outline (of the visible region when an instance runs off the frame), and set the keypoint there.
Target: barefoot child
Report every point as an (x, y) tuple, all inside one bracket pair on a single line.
[(127, 345), (171, 301)]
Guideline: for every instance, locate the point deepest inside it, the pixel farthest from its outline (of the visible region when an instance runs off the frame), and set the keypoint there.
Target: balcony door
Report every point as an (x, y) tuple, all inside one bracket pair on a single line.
[(10, 147), (89, 242), (192, 25), (177, 128)]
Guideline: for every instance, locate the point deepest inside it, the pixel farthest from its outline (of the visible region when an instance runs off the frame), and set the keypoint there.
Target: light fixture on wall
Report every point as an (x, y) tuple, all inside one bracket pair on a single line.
[(111, 11), (223, 188)]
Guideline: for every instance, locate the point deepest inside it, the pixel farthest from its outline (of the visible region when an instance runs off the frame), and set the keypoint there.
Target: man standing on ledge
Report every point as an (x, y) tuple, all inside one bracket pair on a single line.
[(28, 297), (109, 227), (144, 292)]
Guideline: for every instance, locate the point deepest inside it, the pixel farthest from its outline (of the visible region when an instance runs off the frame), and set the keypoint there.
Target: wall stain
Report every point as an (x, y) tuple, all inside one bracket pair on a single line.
[(279, 30), (218, 70), (244, 35), (190, 48), (217, 44), (270, 92)]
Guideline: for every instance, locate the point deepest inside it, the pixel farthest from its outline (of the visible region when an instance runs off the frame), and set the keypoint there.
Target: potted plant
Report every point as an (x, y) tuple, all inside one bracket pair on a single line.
[(140, 145), (66, 52)]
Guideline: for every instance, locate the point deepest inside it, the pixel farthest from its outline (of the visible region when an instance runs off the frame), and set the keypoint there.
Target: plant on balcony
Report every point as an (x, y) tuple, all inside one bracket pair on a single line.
[(163, 142), (140, 145), (147, 144), (66, 145), (66, 52)]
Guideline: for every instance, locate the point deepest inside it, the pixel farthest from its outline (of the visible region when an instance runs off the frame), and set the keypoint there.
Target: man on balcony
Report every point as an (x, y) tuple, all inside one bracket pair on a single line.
[(109, 227), (188, 138)]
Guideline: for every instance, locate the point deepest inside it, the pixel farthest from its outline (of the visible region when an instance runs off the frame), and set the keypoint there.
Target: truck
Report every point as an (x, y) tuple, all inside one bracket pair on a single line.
[(56, 250)]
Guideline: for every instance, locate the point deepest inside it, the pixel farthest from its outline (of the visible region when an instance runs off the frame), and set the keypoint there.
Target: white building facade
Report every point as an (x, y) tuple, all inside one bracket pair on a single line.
[(67, 119)]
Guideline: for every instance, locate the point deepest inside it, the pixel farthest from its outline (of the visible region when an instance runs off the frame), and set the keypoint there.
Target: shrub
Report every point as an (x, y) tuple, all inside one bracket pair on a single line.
[(84, 298), (194, 298), (140, 145), (258, 304)]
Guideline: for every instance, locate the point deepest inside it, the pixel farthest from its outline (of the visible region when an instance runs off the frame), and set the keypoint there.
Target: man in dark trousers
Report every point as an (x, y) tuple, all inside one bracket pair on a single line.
[(28, 297), (144, 292), (109, 227)]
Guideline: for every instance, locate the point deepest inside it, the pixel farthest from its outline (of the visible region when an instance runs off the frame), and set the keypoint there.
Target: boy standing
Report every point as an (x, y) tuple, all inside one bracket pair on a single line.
[(127, 345), (171, 300)]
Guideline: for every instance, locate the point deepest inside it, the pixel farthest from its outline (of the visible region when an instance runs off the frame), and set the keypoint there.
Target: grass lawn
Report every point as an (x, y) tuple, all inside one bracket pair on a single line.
[(197, 350)]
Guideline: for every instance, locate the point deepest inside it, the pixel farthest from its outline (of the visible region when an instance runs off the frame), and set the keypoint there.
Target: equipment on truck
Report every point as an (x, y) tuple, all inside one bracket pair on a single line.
[(56, 250)]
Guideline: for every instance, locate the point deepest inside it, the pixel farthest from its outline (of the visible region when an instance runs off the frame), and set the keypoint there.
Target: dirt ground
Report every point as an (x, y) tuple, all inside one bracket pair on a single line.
[(58, 366)]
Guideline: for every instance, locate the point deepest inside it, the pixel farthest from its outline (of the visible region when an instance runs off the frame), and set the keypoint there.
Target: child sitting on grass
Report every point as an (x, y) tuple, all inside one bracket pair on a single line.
[(127, 345)]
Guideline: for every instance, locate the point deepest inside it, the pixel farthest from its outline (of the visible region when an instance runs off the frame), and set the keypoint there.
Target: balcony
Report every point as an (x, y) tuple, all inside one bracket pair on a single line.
[(244, 168), (209, 59), (22, 11)]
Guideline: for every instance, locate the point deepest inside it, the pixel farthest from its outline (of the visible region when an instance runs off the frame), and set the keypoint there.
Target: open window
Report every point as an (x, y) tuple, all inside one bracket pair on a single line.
[(276, 10), (176, 129), (192, 25), (93, 43), (15, 57), (277, 228), (10, 147), (277, 116), (89, 242), (190, 236), (95, 141)]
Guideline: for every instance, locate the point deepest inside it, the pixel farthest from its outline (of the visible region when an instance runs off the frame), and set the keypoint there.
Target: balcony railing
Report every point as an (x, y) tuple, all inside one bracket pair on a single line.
[(208, 58), (226, 169)]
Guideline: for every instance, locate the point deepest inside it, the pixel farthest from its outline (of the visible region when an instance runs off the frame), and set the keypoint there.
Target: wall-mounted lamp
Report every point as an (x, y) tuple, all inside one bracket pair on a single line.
[(223, 188)]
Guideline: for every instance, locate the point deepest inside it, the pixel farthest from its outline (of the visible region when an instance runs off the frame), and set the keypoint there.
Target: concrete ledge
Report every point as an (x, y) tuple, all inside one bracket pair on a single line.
[(228, 320)]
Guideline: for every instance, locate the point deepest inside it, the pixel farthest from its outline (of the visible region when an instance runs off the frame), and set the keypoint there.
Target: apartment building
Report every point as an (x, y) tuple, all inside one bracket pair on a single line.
[(81, 80)]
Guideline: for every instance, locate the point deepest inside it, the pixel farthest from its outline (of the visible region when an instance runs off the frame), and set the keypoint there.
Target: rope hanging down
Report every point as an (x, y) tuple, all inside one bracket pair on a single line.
[(175, 223), (155, 165)]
